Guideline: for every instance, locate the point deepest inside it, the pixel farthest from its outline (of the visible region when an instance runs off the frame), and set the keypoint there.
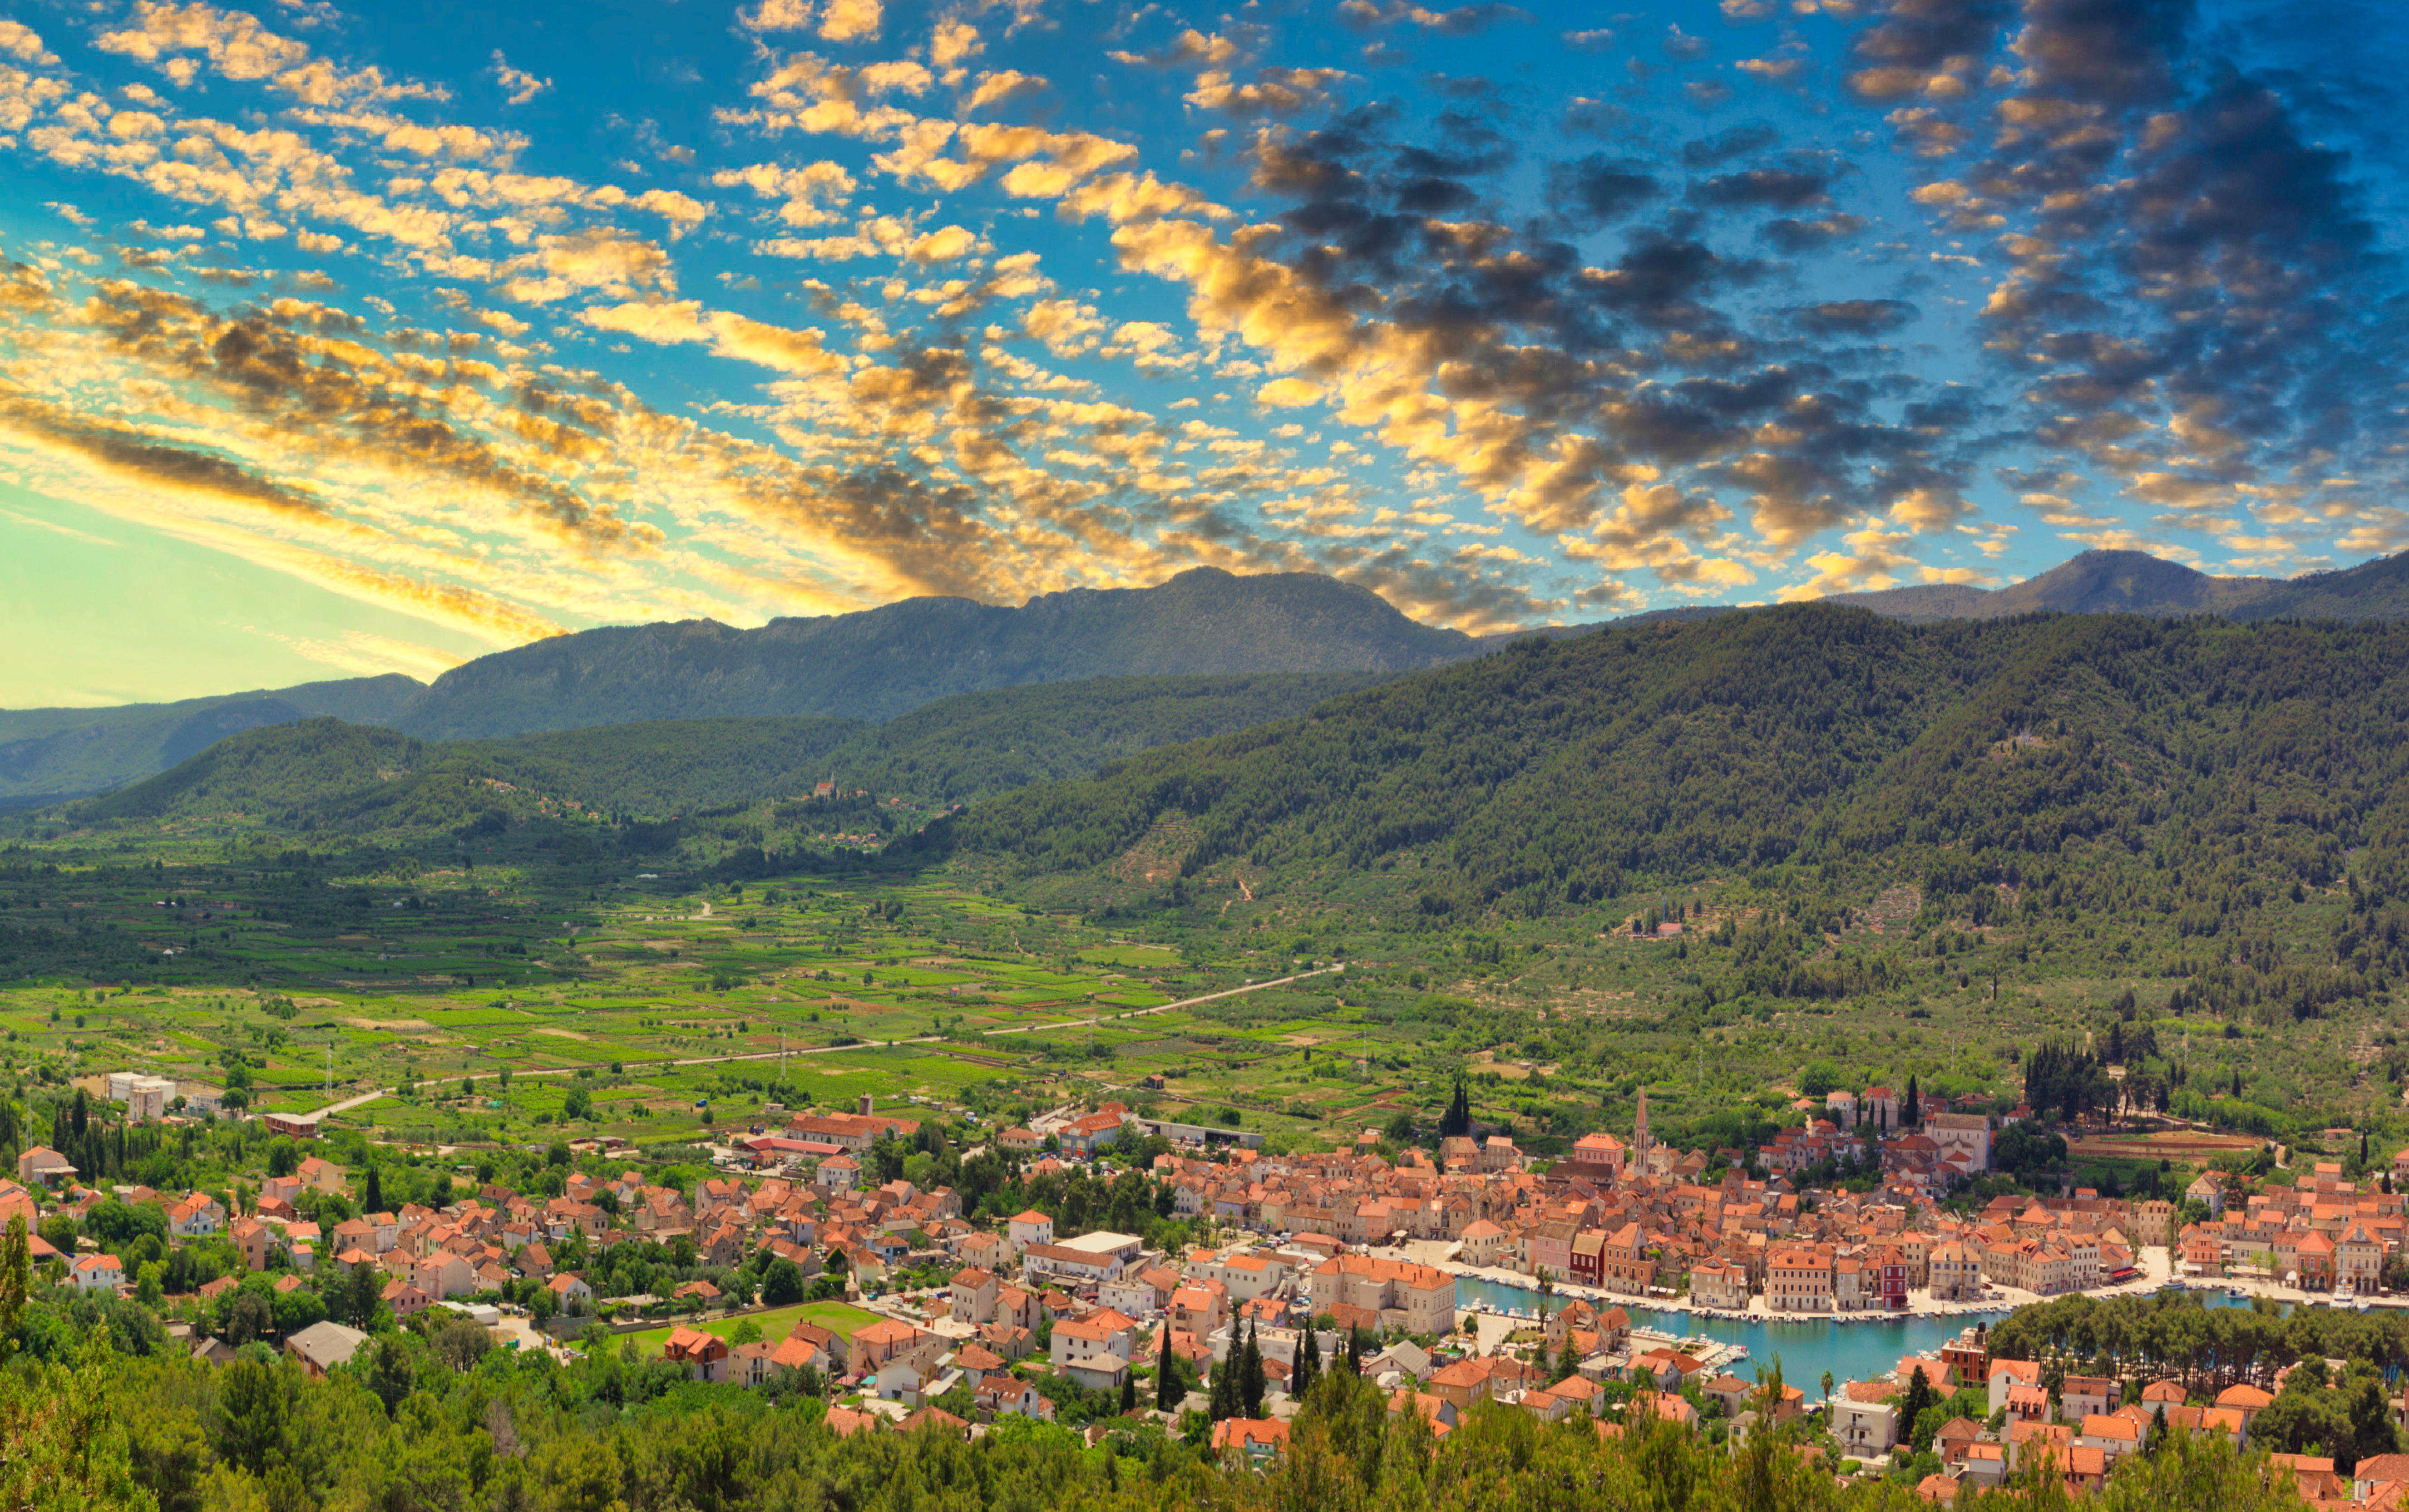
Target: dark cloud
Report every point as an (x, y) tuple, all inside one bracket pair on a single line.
[(1523, 323), (2194, 295), (1460, 87), (2117, 53), (1740, 140), (1852, 317), (1915, 39), (1459, 20), (1596, 118), (1796, 236), (1596, 190), (1465, 145), (1664, 278), (263, 360), (1434, 195), (1681, 47), (1800, 185), (142, 458)]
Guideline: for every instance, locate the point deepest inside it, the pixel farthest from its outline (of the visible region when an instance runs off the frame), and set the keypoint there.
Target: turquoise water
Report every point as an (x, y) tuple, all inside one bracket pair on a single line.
[(1807, 1346)]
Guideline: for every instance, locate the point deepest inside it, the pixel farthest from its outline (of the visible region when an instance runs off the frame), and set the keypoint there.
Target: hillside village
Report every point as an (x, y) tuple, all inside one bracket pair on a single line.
[(911, 1307)]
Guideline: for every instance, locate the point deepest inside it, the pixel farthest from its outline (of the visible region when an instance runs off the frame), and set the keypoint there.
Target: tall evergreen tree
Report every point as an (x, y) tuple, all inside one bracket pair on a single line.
[(1915, 1110), (372, 1195), (1308, 1365), (1222, 1396), (1129, 1393), (1166, 1377), (1918, 1396), (1250, 1378)]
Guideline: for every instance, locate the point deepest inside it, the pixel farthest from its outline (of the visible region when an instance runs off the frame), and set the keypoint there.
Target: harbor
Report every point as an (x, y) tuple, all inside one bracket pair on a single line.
[(1850, 1346)]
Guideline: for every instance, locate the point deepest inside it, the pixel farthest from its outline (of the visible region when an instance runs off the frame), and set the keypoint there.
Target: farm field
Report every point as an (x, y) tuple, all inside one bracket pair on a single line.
[(504, 1003), (836, 1317), (531, 985)]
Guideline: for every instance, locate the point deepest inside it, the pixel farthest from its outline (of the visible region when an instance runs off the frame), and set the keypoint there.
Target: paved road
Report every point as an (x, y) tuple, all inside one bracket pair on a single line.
[(363, 1098)]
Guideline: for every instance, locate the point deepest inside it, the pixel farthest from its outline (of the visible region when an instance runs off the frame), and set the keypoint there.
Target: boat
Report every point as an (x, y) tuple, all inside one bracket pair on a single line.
[(2237, 1294)]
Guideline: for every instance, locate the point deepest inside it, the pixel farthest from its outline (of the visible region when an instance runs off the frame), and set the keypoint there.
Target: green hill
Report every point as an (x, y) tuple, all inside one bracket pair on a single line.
[(323, 772), (1564, 772), (882, 663), (53, 754)]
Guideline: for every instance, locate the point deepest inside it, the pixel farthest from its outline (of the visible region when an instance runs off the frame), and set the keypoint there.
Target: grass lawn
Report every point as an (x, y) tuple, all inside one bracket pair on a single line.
[(836, 1317)]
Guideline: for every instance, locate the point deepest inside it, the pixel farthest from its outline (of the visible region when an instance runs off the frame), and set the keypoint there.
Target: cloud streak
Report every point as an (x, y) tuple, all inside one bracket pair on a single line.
[(1005, 298)]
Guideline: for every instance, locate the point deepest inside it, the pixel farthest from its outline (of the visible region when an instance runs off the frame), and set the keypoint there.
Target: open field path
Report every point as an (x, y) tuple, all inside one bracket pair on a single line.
[(363, 1098)]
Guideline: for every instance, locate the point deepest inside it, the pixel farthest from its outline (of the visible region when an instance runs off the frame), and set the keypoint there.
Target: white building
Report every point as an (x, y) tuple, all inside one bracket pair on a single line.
[(1966, 1132), (148, 1098), (1027, 1229), (1094, 1353), (1865, 1430)]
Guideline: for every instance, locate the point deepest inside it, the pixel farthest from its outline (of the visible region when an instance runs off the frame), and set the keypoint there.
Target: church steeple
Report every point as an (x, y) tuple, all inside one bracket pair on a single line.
[(1639, 1130)]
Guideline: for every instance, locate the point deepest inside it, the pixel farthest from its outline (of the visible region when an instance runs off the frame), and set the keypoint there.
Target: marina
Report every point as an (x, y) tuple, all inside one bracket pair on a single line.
[(1851, 1345)]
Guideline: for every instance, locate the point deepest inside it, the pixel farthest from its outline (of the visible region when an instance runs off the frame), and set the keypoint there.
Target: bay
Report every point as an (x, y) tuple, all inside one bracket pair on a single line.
[(1864, 1347)]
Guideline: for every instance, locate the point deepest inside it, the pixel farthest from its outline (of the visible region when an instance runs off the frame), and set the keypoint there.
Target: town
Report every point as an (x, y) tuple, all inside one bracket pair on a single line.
[(806, 1261)]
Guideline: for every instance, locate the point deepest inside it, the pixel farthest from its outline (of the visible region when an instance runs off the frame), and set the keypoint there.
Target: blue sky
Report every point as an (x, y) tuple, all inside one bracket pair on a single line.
[(337, 341)]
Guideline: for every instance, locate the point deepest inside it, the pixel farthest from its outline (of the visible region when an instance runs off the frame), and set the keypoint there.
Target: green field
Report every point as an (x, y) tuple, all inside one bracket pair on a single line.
[(666, 985), (836, 1317)]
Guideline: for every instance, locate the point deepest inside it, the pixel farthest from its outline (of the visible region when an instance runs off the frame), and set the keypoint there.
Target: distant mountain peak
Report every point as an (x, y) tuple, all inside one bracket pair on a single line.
[(882, 662), (2105, 582)]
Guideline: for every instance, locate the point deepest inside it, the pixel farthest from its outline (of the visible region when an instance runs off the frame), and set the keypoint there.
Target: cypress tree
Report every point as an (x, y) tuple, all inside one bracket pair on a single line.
[(1167, 1379), (372, 1195), (1918, 1396), (1308, 1365), (1250, 1376), (1129, 1393), (1224, 1397), (1914, 1112)]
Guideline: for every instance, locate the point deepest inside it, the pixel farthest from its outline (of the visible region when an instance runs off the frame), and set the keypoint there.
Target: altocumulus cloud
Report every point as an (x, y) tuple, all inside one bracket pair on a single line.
[(845, 300)]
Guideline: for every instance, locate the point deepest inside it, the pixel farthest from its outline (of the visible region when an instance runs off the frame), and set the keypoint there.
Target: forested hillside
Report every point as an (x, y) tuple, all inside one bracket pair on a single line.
[(65, 752), (325, 773), (2183, 759), (884, 662), (2135, 583)]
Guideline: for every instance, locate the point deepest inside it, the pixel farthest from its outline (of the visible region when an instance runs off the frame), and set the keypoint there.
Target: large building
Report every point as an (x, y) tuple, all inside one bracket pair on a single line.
[(1798, 1279), (1596, 1158), (1418, 1299), (1966, 1132)]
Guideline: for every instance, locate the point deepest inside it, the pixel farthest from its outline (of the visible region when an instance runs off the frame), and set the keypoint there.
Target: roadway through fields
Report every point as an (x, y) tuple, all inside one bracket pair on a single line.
[(363, 1098)]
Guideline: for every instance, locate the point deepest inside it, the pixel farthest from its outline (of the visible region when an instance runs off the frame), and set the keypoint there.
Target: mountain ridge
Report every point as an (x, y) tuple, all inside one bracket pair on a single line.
[(59, 753), (884, 663), (2100, 581)]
